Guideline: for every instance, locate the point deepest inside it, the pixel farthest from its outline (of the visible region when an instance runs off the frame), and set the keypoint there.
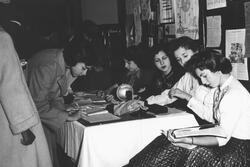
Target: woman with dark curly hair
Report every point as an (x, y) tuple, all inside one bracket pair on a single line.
[(167, 71)]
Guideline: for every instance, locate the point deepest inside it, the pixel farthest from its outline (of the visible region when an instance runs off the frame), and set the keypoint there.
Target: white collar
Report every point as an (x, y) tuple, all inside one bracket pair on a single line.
[(227, 82)]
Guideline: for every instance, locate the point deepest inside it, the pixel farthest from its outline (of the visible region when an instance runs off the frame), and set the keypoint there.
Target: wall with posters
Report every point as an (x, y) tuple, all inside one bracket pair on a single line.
[(231, 20)]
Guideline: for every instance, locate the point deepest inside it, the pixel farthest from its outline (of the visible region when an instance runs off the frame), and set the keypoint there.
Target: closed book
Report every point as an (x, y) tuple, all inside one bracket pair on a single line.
[(98, 118)]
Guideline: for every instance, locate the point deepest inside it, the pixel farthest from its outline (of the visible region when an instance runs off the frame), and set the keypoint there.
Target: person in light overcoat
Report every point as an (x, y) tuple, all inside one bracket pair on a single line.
[(50, 73), (22, 139)]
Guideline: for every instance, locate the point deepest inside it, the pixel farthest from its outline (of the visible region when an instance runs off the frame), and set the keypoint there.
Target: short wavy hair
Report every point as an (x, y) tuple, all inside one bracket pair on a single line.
[(139, 54), (73, 53), (211, 60), (185, 42)]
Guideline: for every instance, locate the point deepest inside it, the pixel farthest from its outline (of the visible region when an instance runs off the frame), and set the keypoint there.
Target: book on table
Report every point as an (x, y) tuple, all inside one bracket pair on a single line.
[(104, 116), (203, 130), (92, 109)]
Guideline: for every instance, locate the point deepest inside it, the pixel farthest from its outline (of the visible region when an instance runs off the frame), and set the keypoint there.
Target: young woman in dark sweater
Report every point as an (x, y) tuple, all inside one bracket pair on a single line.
[(167, 72)]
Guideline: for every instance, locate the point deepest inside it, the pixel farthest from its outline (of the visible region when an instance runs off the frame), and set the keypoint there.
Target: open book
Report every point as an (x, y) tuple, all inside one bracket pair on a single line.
[(203, 130)]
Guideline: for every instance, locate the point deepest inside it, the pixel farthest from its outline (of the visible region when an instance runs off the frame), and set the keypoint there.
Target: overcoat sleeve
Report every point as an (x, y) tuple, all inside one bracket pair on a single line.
[(15, 97)]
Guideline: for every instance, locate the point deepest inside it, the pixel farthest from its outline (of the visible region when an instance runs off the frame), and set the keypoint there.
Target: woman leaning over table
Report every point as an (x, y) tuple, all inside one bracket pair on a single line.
[(232, 115), (49, 74)]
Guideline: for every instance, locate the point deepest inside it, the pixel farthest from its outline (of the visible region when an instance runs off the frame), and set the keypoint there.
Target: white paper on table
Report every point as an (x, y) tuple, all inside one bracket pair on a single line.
[(235, 51), (213, 31)]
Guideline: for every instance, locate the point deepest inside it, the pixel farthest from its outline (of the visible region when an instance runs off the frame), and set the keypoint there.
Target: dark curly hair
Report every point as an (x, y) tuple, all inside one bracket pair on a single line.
[(209, 59), (72, 52), (166, 48), (185, 42), (139, 54)]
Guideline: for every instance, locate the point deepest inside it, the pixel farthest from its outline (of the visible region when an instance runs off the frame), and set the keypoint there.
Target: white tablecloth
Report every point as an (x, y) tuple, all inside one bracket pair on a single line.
[(113, 144)]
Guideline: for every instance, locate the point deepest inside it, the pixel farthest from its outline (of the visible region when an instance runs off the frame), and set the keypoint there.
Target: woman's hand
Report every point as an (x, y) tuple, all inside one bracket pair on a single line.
[(176, 92), (27, 137), (100, 93), (141, 90), (172, 139), (72, 107), (74, 116), (185, 142), (111, 99), (137, 105)]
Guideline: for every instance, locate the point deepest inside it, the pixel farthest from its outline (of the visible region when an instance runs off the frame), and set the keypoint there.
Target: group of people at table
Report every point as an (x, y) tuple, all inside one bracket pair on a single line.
[(203, 77)]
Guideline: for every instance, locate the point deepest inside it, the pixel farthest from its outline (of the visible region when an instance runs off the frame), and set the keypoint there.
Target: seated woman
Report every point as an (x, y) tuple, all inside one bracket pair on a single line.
[(137, 75), (167, 72), (232, 115)]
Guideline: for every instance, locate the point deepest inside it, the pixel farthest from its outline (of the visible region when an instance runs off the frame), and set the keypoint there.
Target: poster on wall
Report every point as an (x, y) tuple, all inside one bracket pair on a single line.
[(235, 51), (145, 10), (166, 11), (214, 4), (186, 18), (213, 31), (137, 23), (133, 27)]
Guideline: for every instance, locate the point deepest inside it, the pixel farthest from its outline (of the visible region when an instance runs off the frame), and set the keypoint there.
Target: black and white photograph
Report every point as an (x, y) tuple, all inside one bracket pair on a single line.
[(124, 83)]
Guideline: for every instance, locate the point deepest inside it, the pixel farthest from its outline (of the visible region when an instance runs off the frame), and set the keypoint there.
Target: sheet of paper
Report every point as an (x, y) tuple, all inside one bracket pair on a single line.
[(213, 31), (90, 109), (213, 4), (166, 11), (186, 18), (235, 51), (240, 70)]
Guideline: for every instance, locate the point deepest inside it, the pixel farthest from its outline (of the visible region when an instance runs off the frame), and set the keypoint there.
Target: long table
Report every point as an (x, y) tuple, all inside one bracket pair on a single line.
[(113, 144)]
